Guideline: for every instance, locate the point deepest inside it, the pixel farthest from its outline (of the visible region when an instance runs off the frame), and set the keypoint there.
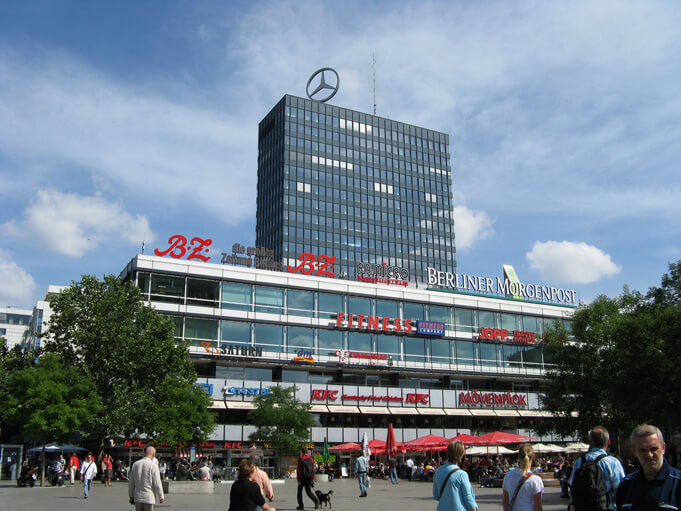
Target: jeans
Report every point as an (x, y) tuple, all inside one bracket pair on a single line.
[(87, 484), (393, 476), (308, 490), (362, 479)]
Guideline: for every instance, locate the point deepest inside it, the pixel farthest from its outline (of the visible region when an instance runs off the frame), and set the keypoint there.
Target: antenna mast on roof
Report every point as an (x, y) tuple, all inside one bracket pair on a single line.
[(373, 72)]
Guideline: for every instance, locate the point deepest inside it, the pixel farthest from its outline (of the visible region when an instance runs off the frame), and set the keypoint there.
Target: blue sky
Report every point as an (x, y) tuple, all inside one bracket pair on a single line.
[(130, 121)]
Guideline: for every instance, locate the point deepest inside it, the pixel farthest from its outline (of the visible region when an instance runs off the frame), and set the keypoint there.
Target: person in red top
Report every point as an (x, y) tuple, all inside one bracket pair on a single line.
[(108, 461), (305, 476), (74, 467)]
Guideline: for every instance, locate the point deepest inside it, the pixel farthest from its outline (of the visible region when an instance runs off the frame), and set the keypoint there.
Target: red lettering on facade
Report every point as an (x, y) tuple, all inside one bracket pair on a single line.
[(177, 248), (319, 266)]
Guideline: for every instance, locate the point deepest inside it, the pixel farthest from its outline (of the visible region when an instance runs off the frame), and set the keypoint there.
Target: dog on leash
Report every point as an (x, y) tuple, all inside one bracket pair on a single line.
[(324, 498)]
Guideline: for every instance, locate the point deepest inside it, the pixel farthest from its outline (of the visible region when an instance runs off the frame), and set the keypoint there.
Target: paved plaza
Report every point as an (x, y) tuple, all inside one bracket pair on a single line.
[(406, 496)]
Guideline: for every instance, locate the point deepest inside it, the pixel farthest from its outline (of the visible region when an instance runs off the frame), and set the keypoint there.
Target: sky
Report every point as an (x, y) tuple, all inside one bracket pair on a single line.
[(128, 122)]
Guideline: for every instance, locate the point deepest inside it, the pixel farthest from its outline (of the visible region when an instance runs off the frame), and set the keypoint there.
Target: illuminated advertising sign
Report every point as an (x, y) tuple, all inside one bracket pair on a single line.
[(478, 398), (177, 248), (319, 266), (303, 356), (382, 274), (361, 357), (497, 334), (332, 395), (503, 287), (375, 323), (231, 351), (434, 328), (262, 258), (245, 391)]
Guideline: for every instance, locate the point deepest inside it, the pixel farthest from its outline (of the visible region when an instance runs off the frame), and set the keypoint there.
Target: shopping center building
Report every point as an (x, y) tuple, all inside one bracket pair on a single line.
[(425, 357)]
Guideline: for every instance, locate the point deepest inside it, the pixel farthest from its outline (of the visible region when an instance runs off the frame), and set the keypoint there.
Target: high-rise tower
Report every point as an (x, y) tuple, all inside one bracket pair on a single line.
[(355, 186)]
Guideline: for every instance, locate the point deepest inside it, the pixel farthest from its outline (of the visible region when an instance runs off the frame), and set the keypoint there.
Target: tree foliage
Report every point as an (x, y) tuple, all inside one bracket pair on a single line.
[(281, 420), (621, 365), (128, 349), (11, 360)]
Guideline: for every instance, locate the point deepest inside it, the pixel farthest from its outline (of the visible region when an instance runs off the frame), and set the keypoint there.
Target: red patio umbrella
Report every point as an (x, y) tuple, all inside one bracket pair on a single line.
[(424, 443), (376, 444), (463, 437), (390, 444), (500, 437), (346, 447)]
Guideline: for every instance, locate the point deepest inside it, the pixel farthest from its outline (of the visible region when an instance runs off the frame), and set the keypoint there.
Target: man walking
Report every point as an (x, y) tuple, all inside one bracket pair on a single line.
[(586, 492), (144, 482), (361, 468), (392, 466), (305, 475), (88, 471), (657, 485)]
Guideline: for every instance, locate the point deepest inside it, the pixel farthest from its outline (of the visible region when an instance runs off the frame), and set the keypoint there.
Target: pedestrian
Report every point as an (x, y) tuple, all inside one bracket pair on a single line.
[(410, 468), (392, 467), (74, 467), (261, 478), (88, 471), (522, 488), (144, 482), (451, 486), (582, 480), (108, 464), (361, 468), (245, 494), (305, 476), (657, 485)]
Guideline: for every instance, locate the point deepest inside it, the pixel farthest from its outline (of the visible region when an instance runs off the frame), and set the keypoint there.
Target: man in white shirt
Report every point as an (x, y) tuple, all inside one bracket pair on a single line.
[(88, 471), (410, 468), (144, 482)]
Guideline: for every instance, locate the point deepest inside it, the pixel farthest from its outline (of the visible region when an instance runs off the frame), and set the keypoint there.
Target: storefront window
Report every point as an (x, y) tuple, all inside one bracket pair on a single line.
[(330, 341), (235, 332), (293, 376), (464, 319), (389, 344), (439, 351), (300, 338), (465, 352), (300, 303), (413, 311), (236, 296), (387, 309), (143, 284), (532, 357), (486, 319), (167, 289), (531, 324), (205, 293), (414, 349), (201, 329), (329, 305), (358, 305), (439, 313), (269, 299), (359, 342), (508, 322), (269, 337), (512, 355), (488, 354)]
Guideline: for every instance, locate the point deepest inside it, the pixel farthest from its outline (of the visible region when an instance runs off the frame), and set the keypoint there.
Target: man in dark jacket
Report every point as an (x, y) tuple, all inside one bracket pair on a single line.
[(657, 485), (305, 476)]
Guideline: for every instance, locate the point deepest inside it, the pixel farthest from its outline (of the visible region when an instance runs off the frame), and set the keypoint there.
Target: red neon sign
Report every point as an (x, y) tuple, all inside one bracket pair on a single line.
[(319, 266), (177, 248), (362, 322)]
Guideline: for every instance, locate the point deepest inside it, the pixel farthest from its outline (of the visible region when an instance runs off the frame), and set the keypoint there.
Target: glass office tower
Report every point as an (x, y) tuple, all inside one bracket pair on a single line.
[(354, 186)]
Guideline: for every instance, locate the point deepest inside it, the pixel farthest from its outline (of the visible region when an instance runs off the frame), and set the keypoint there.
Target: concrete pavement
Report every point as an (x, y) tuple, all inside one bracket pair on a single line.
[(406, 496)]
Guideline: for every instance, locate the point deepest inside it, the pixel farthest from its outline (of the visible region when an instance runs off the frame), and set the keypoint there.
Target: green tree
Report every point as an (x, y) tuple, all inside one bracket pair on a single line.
[(51, 402), (281, 421), (621, 367), (129, 350), (11, 360)]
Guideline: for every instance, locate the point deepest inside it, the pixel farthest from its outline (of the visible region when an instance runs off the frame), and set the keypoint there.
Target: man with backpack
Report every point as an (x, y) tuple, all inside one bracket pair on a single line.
[(305, 476), (595, 476)]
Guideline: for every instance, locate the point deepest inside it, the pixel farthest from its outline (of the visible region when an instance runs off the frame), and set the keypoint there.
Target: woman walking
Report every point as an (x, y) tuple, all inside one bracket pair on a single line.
[(522, 488), (451, 486)]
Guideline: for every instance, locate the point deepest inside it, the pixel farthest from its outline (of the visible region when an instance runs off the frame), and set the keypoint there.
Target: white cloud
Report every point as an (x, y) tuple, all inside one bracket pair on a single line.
[(471, 226), (16, 286), (570, 262), (73, 224)]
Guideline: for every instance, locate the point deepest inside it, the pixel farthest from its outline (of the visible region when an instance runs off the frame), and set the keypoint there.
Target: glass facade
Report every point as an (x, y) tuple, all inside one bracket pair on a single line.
[(353, 186)]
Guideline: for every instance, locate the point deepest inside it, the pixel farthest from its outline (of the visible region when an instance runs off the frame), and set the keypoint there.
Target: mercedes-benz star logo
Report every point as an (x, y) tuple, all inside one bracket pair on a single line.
[(318, 90)]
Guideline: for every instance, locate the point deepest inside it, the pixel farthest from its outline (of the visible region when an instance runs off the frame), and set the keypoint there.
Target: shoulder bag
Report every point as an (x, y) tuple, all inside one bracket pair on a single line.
[(442, 488), (520, 485)]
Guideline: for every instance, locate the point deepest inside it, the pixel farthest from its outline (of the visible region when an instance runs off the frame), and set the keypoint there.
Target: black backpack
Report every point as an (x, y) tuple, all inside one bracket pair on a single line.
[(588, 490), (307, 470)]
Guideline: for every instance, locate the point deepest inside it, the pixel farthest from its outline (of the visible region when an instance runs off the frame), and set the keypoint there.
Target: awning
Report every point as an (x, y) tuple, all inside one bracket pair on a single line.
[(527, 413), (482, 412), (506, 413), (343, 409), (431, 411), (240, 405), (380, 410), (461, 412), (404, 411), (218, 405), (319, 409)]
